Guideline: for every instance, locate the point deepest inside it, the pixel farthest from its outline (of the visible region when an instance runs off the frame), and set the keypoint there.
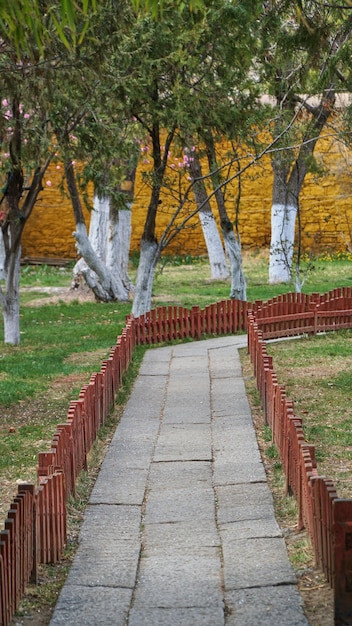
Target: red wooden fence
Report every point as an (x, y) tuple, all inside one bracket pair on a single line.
[(327, 518), (35, 528)]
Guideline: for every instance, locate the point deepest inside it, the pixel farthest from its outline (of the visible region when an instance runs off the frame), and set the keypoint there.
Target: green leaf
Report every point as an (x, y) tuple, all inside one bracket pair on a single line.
[(61, 33)]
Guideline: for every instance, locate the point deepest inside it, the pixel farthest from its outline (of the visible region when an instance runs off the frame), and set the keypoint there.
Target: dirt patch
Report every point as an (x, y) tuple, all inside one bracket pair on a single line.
[(54, 295)]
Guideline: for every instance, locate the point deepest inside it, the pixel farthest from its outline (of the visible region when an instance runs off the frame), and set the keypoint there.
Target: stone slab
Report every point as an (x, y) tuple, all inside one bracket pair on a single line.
[(227, 470), (249, 529), (179, 581), (162, 616), (184, 442), (256, 562), (244, 502), (267, 606), (110, 523), (79, 605), (191, 537), (178, 475), (122, 486), (105, 564), (192, 364), (179, 505)]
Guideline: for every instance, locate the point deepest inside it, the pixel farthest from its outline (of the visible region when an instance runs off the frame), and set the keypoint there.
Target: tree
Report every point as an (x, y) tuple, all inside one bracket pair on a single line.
[(185, 76), (231, 239), (217, 259), (301, 56), (33, 108)]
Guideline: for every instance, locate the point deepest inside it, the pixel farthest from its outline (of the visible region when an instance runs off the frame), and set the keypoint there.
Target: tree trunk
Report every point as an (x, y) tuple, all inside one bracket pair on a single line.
[(118, 244), (233, 250), (283, 220), (289, 174), (10, 300), (232, 242), (150, 249), (105, 283), (149, 256), (217, 259)]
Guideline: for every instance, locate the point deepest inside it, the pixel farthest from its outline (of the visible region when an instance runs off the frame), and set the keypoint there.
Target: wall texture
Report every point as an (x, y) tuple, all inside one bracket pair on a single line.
[(326, 210)]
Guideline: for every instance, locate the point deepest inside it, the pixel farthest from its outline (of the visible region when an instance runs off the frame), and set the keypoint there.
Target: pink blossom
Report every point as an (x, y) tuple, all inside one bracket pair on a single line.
[(5, 102), (49, 183), (26, 116), (58, 167)]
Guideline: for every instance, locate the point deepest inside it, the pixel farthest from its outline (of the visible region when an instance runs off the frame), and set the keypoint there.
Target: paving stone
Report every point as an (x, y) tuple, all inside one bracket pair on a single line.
[(122, 486), (179, 505), (190, 537), (249, 529), (178, 475), (228, 471), (256, 562), (77, 606), (110, 522), (243, 502), (179, 581), (184, 442), (103, 563), (197, 616), (267, 606), (193, 364)]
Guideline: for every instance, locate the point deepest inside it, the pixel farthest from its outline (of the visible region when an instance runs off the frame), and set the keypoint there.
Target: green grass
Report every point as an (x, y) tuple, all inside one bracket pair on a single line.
[(317, 374), (46, 275), (191, 284), (52, 334), (50, 337)]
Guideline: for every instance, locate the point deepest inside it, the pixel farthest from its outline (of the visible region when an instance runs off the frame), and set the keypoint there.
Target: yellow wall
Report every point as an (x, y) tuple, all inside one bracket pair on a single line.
[(326, 211)]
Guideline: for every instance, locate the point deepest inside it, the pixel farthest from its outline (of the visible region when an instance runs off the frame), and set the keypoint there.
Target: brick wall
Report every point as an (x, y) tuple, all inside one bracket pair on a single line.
[(326, 210)]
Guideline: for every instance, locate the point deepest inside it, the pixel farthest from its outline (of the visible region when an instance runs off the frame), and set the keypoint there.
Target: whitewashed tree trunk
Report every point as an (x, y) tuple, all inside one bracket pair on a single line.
[(217, 259), (101, 254), (106, 286), (283, 220), (218, 266), (238, 281), (149, 256), (10, 300), (231, 240), (118, 244), (98, 228), (289, 173)]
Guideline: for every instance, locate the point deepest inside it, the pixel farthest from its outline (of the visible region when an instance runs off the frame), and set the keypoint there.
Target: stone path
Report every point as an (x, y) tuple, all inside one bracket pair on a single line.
[(180, 528)]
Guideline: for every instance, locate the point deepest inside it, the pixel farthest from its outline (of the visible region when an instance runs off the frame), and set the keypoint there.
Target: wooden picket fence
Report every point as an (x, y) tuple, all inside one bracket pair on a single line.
[(35, 528), (327, 518)]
